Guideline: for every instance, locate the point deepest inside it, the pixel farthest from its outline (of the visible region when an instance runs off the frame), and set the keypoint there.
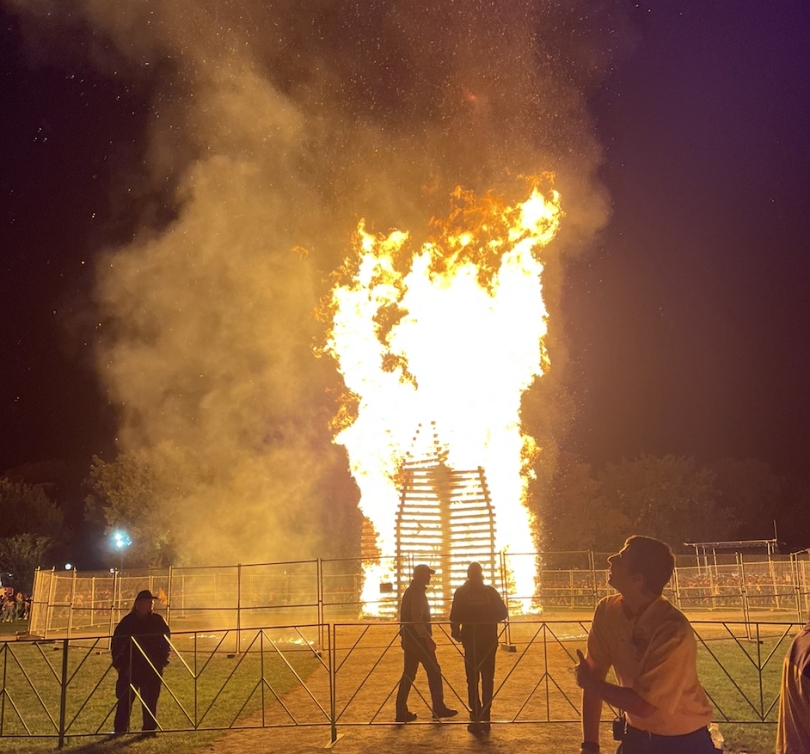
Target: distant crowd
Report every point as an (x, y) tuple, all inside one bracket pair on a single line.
[(14, 606)]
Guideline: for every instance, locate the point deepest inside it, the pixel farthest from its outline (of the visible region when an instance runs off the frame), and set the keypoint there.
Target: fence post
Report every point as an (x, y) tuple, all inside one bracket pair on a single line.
[(169, 595), (677, 588), (49, 609), (72, 602), (332, 654), (794, 575), (3, 698), (507, 632), (772, 572), (63, 693), (744, 595), (594, 588), (238, 608), (112, 608), (319, 587)]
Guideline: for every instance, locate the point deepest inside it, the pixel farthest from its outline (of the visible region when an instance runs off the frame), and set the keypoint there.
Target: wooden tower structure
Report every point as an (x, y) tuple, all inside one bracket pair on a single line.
[(445, 519)]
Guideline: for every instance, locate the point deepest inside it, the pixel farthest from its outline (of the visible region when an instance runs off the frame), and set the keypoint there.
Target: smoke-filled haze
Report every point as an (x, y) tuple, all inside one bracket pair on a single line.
[(273, 128)]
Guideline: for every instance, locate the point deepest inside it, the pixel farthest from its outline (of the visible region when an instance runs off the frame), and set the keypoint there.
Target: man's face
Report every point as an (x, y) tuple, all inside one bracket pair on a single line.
[(422, 576), (144, 606), (620, 577)]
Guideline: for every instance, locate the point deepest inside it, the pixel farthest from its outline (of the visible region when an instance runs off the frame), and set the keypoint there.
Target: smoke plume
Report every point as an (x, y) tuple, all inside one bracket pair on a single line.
[(274, 127)]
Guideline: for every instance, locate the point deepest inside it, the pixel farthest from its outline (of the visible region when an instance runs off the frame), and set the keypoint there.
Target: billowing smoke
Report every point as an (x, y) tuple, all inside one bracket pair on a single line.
[(277, 125)]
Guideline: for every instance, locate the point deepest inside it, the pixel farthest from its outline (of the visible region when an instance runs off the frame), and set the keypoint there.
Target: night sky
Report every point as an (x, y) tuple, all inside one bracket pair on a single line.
[(686, 318), (689, 318)]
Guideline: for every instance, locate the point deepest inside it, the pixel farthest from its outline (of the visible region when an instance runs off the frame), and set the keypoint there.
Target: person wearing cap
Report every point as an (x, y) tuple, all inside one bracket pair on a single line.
[(140, 651), (477, 610), (419, 648)]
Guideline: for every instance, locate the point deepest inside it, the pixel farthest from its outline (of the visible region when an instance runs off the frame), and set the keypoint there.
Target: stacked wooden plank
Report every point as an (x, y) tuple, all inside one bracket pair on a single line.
[(445, 518)]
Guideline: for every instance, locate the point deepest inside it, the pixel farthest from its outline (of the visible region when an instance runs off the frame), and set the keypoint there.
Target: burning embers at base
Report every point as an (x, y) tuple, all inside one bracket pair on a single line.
[(447, 336)]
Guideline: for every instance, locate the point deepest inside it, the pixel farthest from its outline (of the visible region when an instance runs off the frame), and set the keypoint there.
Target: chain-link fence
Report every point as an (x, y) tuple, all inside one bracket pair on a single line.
[(70, 603)]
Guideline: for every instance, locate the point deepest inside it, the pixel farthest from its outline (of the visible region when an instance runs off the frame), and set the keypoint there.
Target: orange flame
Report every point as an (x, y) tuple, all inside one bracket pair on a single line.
[(451, 333)]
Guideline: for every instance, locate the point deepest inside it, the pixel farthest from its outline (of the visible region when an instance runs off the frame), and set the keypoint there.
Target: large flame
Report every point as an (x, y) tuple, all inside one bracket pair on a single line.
[(450, 334)]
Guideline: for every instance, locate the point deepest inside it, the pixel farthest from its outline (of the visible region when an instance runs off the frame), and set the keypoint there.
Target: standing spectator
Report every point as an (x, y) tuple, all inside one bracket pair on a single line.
[(653, 652), (140, 651), (9, 608), (477, 609), (793, 732), (419, 648), (19, 607)]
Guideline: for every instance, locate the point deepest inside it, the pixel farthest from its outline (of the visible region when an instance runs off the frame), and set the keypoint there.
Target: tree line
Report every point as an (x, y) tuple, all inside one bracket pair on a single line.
[(671, 497), (150, 493)]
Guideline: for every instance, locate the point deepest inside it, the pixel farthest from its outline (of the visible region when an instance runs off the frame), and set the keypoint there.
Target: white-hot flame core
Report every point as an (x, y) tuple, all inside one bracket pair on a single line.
[(470, 351)]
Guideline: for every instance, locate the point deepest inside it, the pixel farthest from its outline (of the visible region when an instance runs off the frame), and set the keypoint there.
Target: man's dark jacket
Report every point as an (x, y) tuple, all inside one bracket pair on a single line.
[(414, 614), (477, 610), (151, 633)]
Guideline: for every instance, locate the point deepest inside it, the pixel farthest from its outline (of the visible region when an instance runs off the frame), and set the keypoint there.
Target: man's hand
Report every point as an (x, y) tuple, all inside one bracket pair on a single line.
[(430, 644), (623, 697), (584, 672)]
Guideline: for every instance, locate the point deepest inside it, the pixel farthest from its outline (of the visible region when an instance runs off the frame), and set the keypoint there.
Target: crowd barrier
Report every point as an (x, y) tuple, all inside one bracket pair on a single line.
[(280, 676), (70, 603)]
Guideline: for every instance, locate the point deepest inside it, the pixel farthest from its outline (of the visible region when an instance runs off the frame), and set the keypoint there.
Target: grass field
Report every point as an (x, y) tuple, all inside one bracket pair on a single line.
[(208, 686)]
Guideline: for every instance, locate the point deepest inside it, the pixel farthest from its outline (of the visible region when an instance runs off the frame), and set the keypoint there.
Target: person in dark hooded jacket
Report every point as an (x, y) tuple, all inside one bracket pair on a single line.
[(140, 651), (477, 609)]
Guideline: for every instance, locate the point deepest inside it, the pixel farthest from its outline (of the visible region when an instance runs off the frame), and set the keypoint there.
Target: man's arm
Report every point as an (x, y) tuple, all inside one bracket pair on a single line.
[(591, 701), (500, 608), (455, 623), (167, 635), (591, 715), (418, 610), (592, 681), (120, 647)]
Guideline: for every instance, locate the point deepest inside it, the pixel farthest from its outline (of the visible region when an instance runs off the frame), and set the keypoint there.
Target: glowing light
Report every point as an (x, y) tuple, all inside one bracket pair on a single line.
[(120, 540), (448, 335)]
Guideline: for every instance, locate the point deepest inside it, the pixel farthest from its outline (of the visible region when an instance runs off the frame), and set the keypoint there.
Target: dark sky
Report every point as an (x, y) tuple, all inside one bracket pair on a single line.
[(687, 320)]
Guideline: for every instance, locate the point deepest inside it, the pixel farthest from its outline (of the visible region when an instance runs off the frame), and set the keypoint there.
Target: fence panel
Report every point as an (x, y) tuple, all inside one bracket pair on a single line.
[(282, 677), (74, 604)]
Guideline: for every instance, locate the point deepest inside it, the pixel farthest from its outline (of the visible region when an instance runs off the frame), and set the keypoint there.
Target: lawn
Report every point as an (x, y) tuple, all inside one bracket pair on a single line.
[(209, 686)]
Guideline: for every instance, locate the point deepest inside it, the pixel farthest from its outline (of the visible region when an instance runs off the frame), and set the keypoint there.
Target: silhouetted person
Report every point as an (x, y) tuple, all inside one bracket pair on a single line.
[(653, 652), (477, 610), (793, 732), (419, 648), (140, 651)]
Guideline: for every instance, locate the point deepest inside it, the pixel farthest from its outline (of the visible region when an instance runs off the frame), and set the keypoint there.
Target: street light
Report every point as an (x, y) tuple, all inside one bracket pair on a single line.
[(120, 541)]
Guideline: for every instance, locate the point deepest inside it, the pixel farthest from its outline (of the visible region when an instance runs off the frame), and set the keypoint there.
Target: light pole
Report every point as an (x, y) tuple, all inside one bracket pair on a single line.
[(120, 541)]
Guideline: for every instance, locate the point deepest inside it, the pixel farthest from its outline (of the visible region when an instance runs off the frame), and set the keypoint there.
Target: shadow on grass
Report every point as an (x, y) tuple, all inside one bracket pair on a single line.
[(166, 743)]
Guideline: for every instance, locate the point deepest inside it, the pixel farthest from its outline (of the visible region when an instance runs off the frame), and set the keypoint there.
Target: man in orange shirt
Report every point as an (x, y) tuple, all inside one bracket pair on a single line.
[(653, 652)]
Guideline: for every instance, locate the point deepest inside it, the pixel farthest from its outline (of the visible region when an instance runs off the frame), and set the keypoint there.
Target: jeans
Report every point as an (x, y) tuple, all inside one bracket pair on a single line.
[(148, 684), (416, 654)]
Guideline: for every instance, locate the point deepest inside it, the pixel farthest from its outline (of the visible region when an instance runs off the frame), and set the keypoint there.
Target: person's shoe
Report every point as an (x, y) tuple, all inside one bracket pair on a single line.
[(443, 713), (407, 717), (118, 733), (149, 734), (474, 728), (486, 727)]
